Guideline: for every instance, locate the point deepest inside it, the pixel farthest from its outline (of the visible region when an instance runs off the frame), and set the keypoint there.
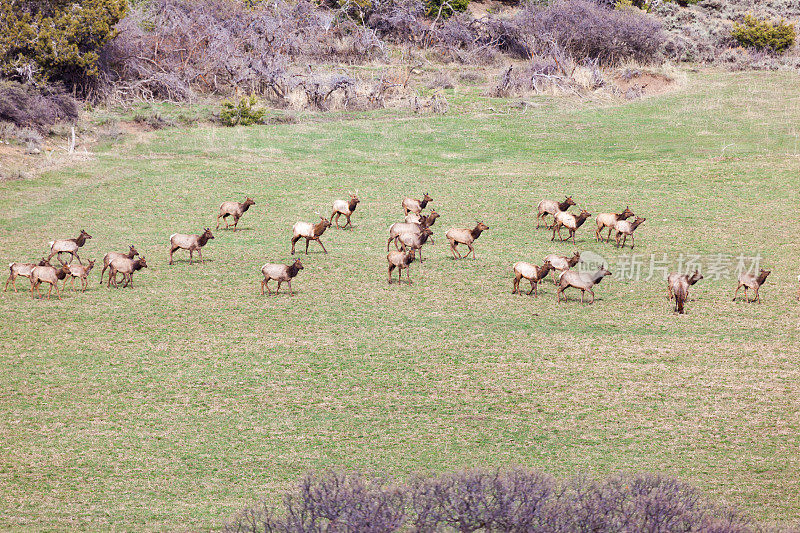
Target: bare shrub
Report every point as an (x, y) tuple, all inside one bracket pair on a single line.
[(39, 108)]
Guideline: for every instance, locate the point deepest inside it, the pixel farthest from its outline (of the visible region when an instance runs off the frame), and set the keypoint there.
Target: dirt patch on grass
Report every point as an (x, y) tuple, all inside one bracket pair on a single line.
[(634, 83)]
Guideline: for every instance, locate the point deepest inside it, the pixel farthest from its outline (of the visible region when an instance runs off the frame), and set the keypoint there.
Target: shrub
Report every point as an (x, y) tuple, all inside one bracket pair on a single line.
[(445, 8), (246, 112), (26, 106), (763, 34)]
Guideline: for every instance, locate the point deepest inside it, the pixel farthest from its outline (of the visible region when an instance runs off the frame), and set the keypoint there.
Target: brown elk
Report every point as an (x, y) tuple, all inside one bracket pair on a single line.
[(280, 273), (47, 274), (68, 246), (625, 229), (400, 261), (561, 263), (21, 269), (749, 281), (126, 267), (399, 228), (234, 209), (192, 243), (423, 220), (110, 256), (346, 208), (464, 236), (584, 282), (310, 232), (531, 272), (414, 241), (551, 207), (81, 272), (411, 205), (569, 221), (607, 220), (678, 288)]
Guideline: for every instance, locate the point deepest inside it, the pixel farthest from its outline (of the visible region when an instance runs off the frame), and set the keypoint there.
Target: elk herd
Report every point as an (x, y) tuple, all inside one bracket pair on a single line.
[(408, 236)]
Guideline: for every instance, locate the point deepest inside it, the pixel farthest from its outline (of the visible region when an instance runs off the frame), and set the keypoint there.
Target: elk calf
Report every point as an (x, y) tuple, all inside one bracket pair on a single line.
[(400, 261), (68, 246), (21, 269), (607, 220), (625, 228), (411, 205), (234, 209), (551, 207), (584, 282), (310, 232), (569, 221), (561, 263), (678, 287), (47, 274), (531, 272), (749, 281), (110, 256), (346, 208), (126, 267), (81, 272), (464, 236), (192, 243), (279, 273), (414, 241)]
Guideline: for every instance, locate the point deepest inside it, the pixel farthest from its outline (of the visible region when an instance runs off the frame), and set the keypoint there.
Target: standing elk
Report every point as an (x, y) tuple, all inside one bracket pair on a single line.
[(192, 243), (551, 207), (531, 272), (310, 232), (562, 263), (110, 256), (584, 282), (678, 287), (234, 209), (68, 246), (21, 269), (399, 228), (411, 205), (749, 281), (625, 228), (126, 267), (607, 220), (464, 236), (400, 260), (569, 221), (414, 241), (47, 274), (280, 273), (346, 208), (78, 271)]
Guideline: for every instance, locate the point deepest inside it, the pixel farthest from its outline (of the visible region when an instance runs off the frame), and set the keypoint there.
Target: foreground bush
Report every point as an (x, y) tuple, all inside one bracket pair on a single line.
[(26, 106), (246, 112), (515, 500), (763, 34)]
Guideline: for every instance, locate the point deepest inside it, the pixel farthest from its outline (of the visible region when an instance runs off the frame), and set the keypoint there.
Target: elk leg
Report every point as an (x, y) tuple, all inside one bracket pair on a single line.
[(388, 243), (538, 217), (191, 254), (200, 255), (747, 298), (472, 250), (235, 222), (533, 286), (669, 292), (218, 221), (295, 239), (572, 233), (583, 291), (633, 241), (323, 246), (7, 281), (609, 234), (554, 234), (737, 290), (592, 293), (348, 221), (420, 254), (397, 244), (391, 267), (307, 241), (279, 288), (76, 256), (289, 282), (515, 286), (624, 239), (172, 251)]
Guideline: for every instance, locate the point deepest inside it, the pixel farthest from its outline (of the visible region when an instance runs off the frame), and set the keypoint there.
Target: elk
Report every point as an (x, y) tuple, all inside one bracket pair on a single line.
[(625, 228), (465, 236), (68, 246), (21, 269), (584, 282), (189, 242), (678, 287), (415, 206), (126, 267), (749, 281), (607, 220), (310, 232), (562, 263), (569, 221), (400, 260), (551, 207), (346, 208), (398, 228), (110, 256), (78, 271), (47, 274), (531, 272), (280, 273), (234, 209), (414, 241), (424, 220)]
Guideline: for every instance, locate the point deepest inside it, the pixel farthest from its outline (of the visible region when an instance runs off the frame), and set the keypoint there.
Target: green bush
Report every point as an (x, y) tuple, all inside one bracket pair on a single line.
[(444, 8), (56, 40), (763, 34), (246, 112)]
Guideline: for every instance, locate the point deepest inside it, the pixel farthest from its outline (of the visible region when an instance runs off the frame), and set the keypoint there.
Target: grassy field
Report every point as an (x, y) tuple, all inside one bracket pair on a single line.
[(176, 403)]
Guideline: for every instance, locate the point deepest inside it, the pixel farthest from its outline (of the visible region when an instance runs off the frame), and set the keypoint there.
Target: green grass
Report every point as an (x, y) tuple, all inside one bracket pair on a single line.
[(176, 403)]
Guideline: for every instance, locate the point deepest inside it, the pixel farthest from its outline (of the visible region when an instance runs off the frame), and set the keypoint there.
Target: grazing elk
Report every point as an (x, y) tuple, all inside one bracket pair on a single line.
[(678, 288), (126, 267), (584, 282), (749, 281), (551, 207), (465, 236), (110, 256), (531, 272), (400, 261), (47, 274), (310, 232), (234, 209), (561, 263), (625, 229), (68, 246), (346, 208), (21, 269), (192, 243), (607, 220), (413, 241), (411, 205), (569, 221), (79, 271), (280, 273)]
